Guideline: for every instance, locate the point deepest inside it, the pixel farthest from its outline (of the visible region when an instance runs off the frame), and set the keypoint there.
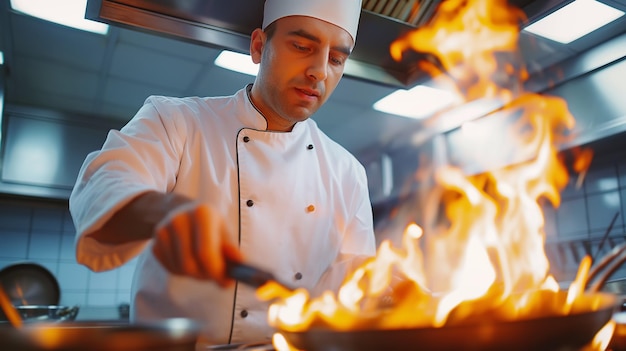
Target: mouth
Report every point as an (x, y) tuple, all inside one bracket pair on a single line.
[(308, 93)]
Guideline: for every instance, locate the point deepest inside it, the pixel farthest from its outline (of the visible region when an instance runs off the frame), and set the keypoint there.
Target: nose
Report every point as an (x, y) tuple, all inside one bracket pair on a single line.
[(318, 65)]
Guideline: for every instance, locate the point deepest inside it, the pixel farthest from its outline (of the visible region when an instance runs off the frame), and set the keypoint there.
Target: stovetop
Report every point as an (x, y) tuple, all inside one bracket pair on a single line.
[(241, 347)]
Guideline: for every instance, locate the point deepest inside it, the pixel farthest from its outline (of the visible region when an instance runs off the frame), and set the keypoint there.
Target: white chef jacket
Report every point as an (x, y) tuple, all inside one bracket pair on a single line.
[(296, 202)]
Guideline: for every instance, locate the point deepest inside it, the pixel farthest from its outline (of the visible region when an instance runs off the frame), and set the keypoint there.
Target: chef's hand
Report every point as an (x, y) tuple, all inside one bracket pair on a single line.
[(192, 240)]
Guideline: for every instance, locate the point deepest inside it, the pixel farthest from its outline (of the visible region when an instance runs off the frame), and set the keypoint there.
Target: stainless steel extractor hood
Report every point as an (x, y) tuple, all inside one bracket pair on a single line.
[(228, 24), (553, 67)]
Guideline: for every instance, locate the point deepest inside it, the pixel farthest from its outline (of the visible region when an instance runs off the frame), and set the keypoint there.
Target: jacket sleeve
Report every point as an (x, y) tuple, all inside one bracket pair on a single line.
[(359, 242), (142, 156)]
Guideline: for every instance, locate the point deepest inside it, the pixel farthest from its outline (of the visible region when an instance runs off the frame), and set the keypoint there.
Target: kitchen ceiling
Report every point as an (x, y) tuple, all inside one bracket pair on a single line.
[(58, 68)]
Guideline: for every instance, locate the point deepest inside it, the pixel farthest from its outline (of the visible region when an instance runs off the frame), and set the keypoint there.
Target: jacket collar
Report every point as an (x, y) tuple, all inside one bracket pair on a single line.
[(257, 118)]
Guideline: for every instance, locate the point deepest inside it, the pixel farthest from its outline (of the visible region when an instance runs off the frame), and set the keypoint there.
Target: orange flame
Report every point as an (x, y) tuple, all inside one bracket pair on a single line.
[(486, 257), (470, 38), (602, 339)]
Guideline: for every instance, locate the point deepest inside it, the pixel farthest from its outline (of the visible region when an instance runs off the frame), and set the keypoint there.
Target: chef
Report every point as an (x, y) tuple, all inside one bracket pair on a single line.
[(192, 182)]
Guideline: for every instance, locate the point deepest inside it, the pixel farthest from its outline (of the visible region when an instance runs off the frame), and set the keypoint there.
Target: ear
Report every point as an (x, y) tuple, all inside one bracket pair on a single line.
[(257, 42)]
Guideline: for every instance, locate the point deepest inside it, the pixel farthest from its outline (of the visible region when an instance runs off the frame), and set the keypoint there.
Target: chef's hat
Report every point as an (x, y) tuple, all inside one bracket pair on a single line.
[(342, 13)]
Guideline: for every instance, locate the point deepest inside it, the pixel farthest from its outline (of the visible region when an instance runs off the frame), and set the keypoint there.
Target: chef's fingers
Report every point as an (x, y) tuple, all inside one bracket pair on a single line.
[(231, 252), (183, 230), (162, 248), (219, 235), (194, 242), (173, 245), (164, 243), (211, 232)]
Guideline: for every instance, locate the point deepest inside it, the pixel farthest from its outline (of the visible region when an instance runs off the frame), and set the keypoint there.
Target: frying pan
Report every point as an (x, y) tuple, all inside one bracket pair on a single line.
[(175, 334), (30, 284), (568, 332), (548, 333)]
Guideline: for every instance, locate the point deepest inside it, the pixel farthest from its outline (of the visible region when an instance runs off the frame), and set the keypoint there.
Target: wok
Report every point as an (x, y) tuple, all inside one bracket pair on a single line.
[(29, 283), (567, 332), (175, 334)]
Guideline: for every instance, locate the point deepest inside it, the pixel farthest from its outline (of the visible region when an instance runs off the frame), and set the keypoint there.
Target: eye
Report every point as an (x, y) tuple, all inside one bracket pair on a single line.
[(337, 60), (300, 47)]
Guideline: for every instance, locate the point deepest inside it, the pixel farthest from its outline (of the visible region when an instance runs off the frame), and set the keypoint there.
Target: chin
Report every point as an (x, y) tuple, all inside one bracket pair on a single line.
[(301, 114)]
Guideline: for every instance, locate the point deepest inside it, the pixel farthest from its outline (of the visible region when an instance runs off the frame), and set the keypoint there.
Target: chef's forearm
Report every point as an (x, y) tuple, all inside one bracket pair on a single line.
[(138, 219)]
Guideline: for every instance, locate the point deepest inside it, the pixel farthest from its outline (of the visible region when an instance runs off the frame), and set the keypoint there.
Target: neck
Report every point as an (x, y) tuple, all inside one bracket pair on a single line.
[(274, 123)]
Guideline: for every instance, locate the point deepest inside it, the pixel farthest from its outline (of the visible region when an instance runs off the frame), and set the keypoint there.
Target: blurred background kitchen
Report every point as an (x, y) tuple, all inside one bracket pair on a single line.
[(62, 89)]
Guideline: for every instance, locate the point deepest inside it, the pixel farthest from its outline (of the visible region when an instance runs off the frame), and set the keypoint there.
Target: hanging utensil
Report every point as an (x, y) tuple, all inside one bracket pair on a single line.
[(605, 268), (606, 235)]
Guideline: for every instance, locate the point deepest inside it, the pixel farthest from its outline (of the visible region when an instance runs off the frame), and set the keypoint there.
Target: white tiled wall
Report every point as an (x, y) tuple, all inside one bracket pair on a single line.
[(43, 232), (585, 213)]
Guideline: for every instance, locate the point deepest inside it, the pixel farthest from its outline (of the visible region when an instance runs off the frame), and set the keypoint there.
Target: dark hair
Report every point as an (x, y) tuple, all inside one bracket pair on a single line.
[(270, 29)]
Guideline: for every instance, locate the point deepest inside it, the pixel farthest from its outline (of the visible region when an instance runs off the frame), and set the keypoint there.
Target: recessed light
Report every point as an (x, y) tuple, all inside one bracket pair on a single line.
[(418, 102), (237, 62), (69, 13), (574, 21)]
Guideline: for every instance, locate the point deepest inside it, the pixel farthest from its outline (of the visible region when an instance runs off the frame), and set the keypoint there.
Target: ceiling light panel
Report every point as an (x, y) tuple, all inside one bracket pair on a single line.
[(69, 13), (418, 103), (237, 62), (574, 21)]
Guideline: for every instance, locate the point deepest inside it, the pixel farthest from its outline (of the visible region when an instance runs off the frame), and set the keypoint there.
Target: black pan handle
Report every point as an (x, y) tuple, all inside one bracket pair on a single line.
[(248, 274)]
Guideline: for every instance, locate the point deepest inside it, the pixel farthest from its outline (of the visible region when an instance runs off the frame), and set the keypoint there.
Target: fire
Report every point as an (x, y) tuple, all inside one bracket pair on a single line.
[(486, 258), (602, 338), (469, 38)]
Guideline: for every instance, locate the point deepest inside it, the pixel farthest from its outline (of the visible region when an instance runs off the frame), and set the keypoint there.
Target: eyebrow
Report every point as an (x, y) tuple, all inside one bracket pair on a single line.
[(304, 34)]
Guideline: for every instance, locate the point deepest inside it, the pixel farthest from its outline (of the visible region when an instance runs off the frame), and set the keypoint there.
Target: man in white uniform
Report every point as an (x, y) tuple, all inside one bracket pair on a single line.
[(191, 182)]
